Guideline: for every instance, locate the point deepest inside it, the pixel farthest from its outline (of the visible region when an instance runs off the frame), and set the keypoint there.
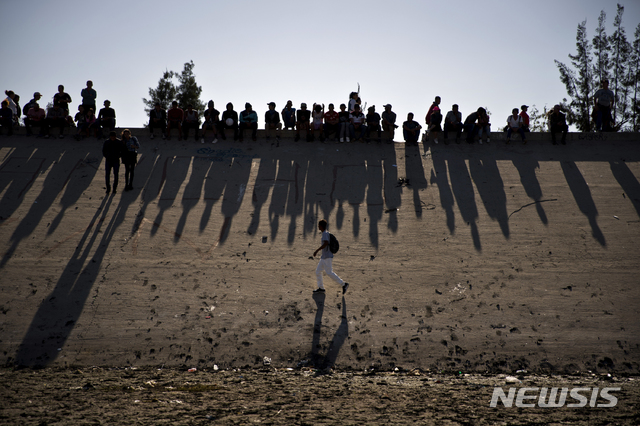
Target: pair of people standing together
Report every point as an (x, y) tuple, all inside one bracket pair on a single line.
[(115, 149)]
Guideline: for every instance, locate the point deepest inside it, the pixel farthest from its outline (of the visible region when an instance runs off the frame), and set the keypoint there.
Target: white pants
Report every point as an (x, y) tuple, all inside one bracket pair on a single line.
[(325, 265)]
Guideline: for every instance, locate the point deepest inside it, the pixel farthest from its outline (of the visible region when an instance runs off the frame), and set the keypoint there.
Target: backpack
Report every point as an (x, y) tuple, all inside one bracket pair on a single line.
[(27, 107), (334, 245)]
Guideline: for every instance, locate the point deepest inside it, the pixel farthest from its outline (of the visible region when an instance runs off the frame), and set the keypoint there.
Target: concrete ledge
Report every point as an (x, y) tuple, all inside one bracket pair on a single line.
[(290, 134)]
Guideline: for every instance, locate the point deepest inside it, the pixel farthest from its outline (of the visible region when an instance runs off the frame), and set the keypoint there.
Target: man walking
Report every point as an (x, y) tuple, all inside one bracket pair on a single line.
[(326, 260), (112, 150)]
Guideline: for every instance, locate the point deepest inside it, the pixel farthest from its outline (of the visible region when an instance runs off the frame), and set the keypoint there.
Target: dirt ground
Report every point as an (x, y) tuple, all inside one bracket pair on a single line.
[(480, 260), (301, 396)]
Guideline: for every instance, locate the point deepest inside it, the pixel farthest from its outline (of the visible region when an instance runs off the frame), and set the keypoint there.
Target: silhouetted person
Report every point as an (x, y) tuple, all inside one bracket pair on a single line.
[(558, 123), (112, 150)]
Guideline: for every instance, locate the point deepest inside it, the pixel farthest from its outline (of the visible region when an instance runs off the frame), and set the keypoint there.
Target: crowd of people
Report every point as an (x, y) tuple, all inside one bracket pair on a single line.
[(348, 124), (57, 116)]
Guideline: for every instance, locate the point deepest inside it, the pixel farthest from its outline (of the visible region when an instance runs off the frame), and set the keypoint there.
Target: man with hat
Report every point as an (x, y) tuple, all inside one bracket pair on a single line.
[(272, 121), (389, 122), (248, 120), (29, 105)]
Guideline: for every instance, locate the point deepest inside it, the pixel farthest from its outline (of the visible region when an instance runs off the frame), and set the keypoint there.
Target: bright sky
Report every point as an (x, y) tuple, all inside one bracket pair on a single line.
[(497, 54)]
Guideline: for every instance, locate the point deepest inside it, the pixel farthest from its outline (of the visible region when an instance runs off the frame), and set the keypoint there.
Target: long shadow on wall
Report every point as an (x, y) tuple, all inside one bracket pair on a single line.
[(416, 176), (465, 197), (582, 195), (490, 186), (440, 177), (392, 193), (51, 187), (58, 313), (527, 169), (78, 180), (174, 172), (628, 182), (234, 192)]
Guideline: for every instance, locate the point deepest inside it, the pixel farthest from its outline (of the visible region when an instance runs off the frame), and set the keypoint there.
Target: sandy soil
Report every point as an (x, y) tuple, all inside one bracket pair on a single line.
[(472, 259)]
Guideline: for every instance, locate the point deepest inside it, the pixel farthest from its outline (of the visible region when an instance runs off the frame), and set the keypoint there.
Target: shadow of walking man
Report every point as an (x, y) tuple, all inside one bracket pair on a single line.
[(340, 336)]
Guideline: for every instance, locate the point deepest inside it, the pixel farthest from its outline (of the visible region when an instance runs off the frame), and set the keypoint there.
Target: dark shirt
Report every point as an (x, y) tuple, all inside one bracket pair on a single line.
[(6, 114), (558, 119), (63, 99), (471, 118), (211, 116), (27, 107), (343, 116), (436, 117), (304, 115), (112, 150), (373, 118), (230, 114), (106, 113), (161, 115), (271, 117)]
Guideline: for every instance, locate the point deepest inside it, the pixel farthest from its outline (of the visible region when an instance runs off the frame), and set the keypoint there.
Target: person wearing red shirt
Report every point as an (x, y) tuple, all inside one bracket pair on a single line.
[(175, 116), (331, 122), (525, 118)]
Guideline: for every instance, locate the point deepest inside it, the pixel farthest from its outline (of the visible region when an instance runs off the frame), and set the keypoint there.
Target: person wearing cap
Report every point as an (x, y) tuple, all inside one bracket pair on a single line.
[(373, 123), (158, 120), (89, 96), (229, 121), (525, 118), (29, 105), (558, 123), (272, 121), (248, 120), (303, 116), (289, 116), (389, 122), (211, 122), (453, 122), (175, 116), (112, 150), (331, 122), (191, 121), (107, 116)]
